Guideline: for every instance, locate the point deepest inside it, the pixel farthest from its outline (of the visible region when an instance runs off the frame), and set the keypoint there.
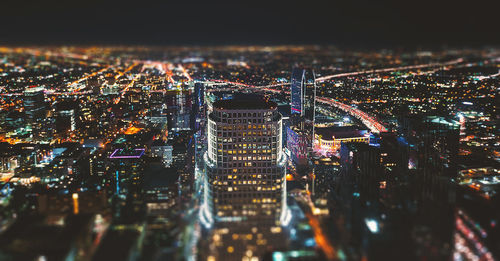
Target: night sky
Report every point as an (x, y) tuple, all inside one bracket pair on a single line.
[(361, 23)]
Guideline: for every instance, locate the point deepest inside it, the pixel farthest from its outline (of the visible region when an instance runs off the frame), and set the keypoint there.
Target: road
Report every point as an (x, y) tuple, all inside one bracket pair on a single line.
[(369, 121), (322, 240)]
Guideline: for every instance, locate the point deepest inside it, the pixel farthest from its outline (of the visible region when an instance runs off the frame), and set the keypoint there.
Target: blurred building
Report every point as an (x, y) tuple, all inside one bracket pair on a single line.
[(297, 144), (476, 233), (34, 237), (432, 143), (65, 116), (126, 166), (394, 154)]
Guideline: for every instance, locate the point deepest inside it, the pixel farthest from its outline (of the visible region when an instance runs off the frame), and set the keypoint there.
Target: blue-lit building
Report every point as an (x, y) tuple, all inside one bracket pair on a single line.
[(297, 91), (297, 145), (301, 129), (197, 105)]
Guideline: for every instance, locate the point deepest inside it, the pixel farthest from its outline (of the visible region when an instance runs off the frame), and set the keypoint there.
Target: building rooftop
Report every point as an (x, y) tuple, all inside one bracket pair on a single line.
[(157, 176), (329, 133), (245, 102), (484, 181)]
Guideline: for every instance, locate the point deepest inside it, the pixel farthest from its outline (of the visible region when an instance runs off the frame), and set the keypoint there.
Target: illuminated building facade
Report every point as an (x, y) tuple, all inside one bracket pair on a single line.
[(297, 145), (244, 163), (330, 139)]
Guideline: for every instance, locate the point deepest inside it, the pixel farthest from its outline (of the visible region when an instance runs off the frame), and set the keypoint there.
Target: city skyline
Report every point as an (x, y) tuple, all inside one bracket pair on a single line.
[(249, 131)]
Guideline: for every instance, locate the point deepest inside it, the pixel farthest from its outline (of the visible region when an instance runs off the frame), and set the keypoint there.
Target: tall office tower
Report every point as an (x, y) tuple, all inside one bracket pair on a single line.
[(199, 127), (301, 131), (303, 94), (297, 91), (65, 115), (199, 95), (34, 105), (197, 105), (244, 163)]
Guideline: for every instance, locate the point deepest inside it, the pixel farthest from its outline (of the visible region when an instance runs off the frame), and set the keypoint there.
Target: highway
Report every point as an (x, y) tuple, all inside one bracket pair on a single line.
[(401, 68), (369, 121), (340, 75)]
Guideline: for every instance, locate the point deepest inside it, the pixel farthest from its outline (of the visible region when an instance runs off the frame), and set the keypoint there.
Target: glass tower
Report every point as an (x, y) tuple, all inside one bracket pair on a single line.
[(297, 91)]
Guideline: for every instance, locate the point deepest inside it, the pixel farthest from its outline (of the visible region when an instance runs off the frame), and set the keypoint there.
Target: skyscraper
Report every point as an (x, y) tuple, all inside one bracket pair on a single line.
[(303, 93), (197, 105), (245, 164), (301, 132), (297, 90), (34, 104), (35, 109)]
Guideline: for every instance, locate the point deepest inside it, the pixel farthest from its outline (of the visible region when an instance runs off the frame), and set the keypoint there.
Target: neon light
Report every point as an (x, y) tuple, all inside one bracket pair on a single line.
[(113, 155), (117, 183)]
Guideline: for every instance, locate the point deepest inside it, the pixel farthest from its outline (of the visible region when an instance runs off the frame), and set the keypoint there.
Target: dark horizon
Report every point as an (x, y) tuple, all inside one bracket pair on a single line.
[(358, 24)]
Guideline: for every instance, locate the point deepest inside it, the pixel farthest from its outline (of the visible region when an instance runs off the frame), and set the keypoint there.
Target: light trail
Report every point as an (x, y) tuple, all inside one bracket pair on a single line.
[(340, 75), (211, 81), (184, 72), (320, 237), (36, 52), (409, 67), (120, 74), (168, 72), (49, 92), (365, 118), (480, 78)]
